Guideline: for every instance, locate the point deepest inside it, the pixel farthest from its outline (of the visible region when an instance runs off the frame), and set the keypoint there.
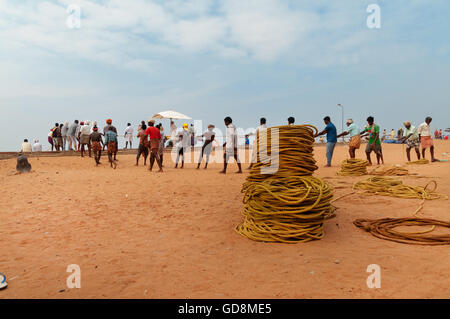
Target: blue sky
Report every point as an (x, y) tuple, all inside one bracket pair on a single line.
[(215, 58)]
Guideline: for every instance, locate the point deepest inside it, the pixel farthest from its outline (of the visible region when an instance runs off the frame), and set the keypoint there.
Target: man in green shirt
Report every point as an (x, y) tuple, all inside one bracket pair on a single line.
[(374, 140)]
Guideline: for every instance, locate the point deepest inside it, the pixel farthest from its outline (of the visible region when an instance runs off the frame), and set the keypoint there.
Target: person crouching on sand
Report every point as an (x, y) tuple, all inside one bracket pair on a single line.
[(355, 137), (412, 140), (207, 146), (155, 136), (96, 144), (143, 143), (111, 144)]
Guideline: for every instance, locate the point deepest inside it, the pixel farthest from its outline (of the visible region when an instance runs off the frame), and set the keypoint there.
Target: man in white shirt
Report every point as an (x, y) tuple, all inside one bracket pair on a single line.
[(261, 127), (173, 133), (85, 138), (230, 146), (37, 147), (26, 147), (182, 143), (426, 140), (129, 136)]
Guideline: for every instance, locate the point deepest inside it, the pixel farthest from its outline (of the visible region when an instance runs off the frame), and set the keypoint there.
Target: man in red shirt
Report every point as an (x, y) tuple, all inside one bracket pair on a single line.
[(155, 137)]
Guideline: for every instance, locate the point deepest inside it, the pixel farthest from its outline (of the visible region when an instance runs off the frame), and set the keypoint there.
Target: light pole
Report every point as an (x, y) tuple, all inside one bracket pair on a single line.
[(342, 108)]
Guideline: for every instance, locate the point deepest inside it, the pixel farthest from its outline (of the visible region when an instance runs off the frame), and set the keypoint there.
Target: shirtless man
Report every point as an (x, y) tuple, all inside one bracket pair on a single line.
[(96, 144), (143, 144)]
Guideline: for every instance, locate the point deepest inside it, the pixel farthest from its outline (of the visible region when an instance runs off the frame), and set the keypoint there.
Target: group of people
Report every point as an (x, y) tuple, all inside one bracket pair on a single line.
[(79, 135), (412, 136)]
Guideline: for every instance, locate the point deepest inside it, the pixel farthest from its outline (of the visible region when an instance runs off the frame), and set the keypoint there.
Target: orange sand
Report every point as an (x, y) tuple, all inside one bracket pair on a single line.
[(173, 236)]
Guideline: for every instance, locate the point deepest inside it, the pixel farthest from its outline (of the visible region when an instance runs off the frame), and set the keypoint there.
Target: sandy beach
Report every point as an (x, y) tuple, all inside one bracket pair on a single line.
[(137, 234)]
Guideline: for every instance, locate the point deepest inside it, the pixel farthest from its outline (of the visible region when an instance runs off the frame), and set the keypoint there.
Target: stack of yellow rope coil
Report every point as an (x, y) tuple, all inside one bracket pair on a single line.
[(422, 161), (387, 186), (353, 167), (289, 205)]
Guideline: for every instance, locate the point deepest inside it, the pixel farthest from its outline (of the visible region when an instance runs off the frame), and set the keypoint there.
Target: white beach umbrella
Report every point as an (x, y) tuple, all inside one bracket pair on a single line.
[(171, 115)]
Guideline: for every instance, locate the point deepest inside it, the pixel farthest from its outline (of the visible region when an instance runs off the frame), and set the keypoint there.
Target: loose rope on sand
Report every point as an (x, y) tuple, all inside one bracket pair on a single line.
[(290, 205), (387, 186), (385, 229), (389, 171), (353, 167), (422, 161)]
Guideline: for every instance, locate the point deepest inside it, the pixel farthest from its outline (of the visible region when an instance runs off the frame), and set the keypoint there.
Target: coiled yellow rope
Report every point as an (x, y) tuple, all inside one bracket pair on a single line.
[(290, 205), (392, 187), (389, 171), (353, 167)]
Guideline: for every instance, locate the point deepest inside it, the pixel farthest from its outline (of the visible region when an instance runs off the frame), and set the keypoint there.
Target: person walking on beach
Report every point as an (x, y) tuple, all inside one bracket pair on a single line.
[(78, 134), (96, 142), (50, 138), (71, 135), (231, 145), (192, 134), (209, 136), (111, 145), (426, 140), (355, 137), (161, 143), (291, 120), (143, 143), (331, 132), (155, 138), (55, 136), (173, 134), (107, 128), (85, 138), (182, 144), (412, 140), (374, 140), (129, 136)]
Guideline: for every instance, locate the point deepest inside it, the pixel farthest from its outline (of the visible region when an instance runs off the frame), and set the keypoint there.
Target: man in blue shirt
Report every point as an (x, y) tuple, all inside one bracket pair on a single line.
[(331, 132)]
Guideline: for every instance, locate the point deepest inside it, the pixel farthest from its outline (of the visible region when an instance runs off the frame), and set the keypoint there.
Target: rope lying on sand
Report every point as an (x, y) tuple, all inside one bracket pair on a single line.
[(385, 229), (290, 205), (422, 161), (353, 167), (389, 171), (388, 186)]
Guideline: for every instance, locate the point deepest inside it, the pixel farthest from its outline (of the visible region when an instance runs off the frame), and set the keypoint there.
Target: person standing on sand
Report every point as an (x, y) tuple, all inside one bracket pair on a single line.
[(173, 134), (143, 143), (71, 134), (374, 140), (355, 137), (331, 132), (426, 140), (55, 136), (108, 127), (64, 132), (262, 126), (50, 138), (231, 146), (59, 137), (78, 134), (111, 143), (155, 138), (412, 140), (161, 143), (128, 136), (85, 138), (96, 141), (182, 136), (209, 136)]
